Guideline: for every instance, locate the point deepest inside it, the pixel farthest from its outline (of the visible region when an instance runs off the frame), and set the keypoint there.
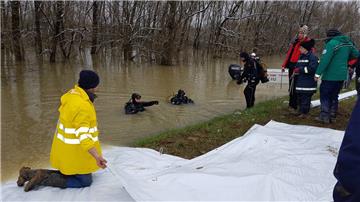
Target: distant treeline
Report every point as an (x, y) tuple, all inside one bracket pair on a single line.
[(158, 31)]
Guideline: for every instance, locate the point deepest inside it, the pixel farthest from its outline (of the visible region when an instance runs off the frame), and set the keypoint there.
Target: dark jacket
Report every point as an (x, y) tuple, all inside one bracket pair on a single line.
[(356, 66), (251, 72), (347, 169), (180, 98), (307, 64)]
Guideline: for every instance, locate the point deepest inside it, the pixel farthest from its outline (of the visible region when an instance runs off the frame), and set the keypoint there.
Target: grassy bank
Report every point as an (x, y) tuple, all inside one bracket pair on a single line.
[(200, 138)]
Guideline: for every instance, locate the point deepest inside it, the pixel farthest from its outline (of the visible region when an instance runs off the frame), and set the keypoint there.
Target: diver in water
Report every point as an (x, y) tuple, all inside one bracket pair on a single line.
[(134, 105), (180, 98)]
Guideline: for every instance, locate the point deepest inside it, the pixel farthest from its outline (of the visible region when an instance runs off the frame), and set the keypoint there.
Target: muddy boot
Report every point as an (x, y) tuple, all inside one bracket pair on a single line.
[(39, 176), (25, 174), (55, 179), (323, 120)]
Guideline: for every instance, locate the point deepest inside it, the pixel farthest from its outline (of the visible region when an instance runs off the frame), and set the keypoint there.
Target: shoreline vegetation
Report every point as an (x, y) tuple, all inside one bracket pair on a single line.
[(194, 140)]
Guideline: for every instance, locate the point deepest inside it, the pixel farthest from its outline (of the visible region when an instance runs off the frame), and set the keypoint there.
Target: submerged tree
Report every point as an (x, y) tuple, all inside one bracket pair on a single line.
[(58, 30), (16, 34)]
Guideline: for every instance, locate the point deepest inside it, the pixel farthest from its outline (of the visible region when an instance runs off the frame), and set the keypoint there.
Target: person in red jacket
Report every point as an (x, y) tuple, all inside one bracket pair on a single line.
[(354, 67), (292, 57)]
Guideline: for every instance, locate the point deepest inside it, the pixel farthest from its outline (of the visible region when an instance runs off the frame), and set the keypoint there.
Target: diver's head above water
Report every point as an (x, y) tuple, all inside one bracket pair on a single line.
[(135, 97)]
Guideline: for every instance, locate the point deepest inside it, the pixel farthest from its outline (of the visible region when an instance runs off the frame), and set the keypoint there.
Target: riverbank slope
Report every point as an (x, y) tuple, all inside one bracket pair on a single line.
[(195, 140)]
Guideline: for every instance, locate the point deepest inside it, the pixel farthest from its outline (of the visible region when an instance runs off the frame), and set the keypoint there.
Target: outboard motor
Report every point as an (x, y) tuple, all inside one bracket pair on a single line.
[(235, 71)]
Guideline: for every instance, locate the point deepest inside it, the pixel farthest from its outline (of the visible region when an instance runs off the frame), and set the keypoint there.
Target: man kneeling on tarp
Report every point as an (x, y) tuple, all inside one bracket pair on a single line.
[(75, 150), (347, 169), (134, 105), (180, 98)]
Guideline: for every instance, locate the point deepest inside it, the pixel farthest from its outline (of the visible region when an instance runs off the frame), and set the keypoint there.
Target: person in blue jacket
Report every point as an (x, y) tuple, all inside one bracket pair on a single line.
[(305, 71), (347, 169)]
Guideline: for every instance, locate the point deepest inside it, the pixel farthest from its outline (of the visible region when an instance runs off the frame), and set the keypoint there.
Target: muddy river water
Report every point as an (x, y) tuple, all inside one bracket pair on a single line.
[(30, 95)]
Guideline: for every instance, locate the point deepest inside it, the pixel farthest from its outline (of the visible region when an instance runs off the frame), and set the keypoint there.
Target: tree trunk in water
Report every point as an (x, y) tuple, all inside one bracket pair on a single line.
[(15, 22), (3, 23), (168, 46), (128, 31), (127, 50), (199, 22), (57, 27), (95, 28), (38, 40)]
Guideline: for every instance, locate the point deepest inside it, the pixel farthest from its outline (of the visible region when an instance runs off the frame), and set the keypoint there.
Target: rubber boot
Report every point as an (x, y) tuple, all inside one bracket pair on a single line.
[(39, 176), (25, 174), (55, 179), (43, 177)]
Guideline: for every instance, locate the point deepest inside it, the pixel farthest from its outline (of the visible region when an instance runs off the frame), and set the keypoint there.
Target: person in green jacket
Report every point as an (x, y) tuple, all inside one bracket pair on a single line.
[(333, 70)]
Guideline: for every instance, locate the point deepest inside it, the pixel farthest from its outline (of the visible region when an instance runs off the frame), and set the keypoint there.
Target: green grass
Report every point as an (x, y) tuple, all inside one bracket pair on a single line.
[(197, 139)]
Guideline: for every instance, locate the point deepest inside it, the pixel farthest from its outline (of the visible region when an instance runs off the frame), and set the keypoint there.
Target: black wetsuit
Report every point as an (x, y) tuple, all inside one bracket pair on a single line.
[(133, 107), (180, 98), (250, 75)]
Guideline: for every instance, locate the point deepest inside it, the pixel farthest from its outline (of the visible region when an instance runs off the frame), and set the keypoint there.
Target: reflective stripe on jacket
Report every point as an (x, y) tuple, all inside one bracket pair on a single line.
[(307, 65), (75, 134)]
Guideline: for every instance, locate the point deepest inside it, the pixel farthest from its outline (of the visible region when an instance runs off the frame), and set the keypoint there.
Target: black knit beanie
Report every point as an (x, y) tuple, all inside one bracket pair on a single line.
[(308, 45), (333, 32), (88, 79), (135, 96), (245, 55)]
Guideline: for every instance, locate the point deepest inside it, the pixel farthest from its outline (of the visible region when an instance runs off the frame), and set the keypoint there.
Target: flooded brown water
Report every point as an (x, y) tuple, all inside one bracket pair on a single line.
[(30, 95)]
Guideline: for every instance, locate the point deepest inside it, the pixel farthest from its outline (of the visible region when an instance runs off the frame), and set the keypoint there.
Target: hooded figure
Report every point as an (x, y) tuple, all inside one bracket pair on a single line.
[(134, 105)]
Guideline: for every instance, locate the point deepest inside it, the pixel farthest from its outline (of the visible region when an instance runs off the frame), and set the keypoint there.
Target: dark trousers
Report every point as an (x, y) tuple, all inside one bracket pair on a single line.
[(293, 100), (304, 100), (78, 181), (342, 195), (329, 93), (249, 93)]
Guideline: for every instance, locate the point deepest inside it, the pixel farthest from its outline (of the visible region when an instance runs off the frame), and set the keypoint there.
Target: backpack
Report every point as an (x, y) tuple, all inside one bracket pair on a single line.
[(261, 68)]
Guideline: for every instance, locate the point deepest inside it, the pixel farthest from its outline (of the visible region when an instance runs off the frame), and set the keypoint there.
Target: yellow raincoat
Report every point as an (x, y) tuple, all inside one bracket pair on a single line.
[(76, 133)]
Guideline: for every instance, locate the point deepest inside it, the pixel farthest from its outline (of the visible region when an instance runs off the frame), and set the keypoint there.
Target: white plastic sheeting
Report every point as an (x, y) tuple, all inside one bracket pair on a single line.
[(272, 162), (269, 163), (105, 187), (342, 96)]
